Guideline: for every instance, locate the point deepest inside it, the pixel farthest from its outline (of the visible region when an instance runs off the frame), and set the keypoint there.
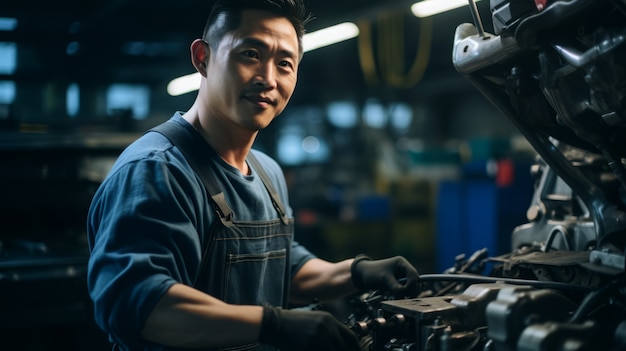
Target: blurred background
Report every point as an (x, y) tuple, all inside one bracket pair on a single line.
[(387, 149)]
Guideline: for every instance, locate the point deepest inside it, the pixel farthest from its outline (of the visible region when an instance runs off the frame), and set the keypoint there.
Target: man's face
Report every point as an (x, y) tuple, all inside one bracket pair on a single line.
[(252, 74)]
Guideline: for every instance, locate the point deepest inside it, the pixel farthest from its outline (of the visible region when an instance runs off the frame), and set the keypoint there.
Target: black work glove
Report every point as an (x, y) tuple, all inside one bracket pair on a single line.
[(305, 330), (385, 275)]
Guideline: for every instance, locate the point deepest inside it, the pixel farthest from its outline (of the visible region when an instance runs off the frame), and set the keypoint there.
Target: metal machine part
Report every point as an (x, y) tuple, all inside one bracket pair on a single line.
[(557, 70)]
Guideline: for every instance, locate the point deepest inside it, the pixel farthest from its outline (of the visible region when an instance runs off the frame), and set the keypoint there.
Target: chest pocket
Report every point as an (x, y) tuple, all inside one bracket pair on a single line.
[(261, 272), (253, 259)]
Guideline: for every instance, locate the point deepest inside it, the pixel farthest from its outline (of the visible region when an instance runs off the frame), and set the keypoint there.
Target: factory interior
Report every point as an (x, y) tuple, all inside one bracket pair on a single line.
[(387, 149)]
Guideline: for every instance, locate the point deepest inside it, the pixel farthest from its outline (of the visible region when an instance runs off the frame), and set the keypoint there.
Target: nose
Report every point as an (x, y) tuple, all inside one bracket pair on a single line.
[(266, 76)]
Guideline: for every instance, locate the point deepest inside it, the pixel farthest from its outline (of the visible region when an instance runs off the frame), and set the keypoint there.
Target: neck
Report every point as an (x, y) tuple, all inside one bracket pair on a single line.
[(231, 144)]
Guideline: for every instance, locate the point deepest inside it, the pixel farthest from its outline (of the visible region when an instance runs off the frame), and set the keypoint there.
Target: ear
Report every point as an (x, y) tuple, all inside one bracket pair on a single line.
[(200, 53)]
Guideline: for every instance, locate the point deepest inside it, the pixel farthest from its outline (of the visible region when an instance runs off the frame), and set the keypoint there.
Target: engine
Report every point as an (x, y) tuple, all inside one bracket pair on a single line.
[(557, 70)]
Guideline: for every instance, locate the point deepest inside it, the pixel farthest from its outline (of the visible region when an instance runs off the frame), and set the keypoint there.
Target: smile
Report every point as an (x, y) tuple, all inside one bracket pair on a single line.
[(259, 100)]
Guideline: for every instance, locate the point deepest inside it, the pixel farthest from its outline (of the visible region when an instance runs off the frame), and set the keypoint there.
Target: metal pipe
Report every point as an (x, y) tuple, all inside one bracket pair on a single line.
[(476, 16)]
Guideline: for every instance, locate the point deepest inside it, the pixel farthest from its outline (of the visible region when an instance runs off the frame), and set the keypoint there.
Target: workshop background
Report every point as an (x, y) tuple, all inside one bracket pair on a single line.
[(387, 149)]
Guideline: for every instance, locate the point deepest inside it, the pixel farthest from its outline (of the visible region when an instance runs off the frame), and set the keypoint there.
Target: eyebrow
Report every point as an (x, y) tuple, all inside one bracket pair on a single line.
[(261, 44)]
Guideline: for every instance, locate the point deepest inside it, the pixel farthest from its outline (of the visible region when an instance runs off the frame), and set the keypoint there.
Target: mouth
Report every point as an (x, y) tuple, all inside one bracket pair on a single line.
[(260, 101)]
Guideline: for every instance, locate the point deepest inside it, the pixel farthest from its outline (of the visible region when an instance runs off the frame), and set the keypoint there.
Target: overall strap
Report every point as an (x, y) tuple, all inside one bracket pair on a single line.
[(278, 205), (181, 138)]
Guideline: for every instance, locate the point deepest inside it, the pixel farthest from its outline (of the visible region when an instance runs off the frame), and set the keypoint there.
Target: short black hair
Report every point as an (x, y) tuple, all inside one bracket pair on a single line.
[(225, 16)]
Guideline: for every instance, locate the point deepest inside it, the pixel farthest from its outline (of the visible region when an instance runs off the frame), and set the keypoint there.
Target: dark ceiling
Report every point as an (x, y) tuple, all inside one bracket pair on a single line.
[(103, 41)]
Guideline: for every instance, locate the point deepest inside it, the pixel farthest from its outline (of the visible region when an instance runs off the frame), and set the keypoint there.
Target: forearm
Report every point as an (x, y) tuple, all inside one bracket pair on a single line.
[(185, 317), (322, 280)]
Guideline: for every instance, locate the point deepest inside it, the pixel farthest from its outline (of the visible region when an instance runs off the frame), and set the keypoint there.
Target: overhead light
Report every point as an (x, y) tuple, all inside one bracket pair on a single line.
[(310, 42), (183, 85), (428, 8), (328, 36)]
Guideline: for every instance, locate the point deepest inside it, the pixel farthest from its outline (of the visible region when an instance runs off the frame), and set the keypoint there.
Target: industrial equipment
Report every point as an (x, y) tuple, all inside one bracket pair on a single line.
[(557, 70)]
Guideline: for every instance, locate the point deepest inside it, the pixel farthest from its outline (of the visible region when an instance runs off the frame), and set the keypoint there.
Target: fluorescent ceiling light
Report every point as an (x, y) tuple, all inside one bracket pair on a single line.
[(428, 8), (310, 41), (329, 36), (183, 85)]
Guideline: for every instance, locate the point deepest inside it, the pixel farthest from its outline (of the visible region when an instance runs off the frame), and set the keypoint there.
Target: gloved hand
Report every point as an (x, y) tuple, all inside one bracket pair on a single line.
[(305, 330), (385, 275)]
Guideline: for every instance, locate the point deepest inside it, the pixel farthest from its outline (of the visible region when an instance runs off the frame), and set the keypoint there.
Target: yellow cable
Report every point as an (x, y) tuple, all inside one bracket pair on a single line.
[(366, 53), (381, 44), (395, 51), (391, 52), (416, 72)]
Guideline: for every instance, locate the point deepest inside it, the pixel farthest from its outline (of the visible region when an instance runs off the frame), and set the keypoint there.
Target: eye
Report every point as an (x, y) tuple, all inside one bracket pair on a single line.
[(251, 54), (285, 64)]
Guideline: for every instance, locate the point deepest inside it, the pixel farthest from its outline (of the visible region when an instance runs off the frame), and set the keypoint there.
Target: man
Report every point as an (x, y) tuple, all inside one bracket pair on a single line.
[(180, 259)]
